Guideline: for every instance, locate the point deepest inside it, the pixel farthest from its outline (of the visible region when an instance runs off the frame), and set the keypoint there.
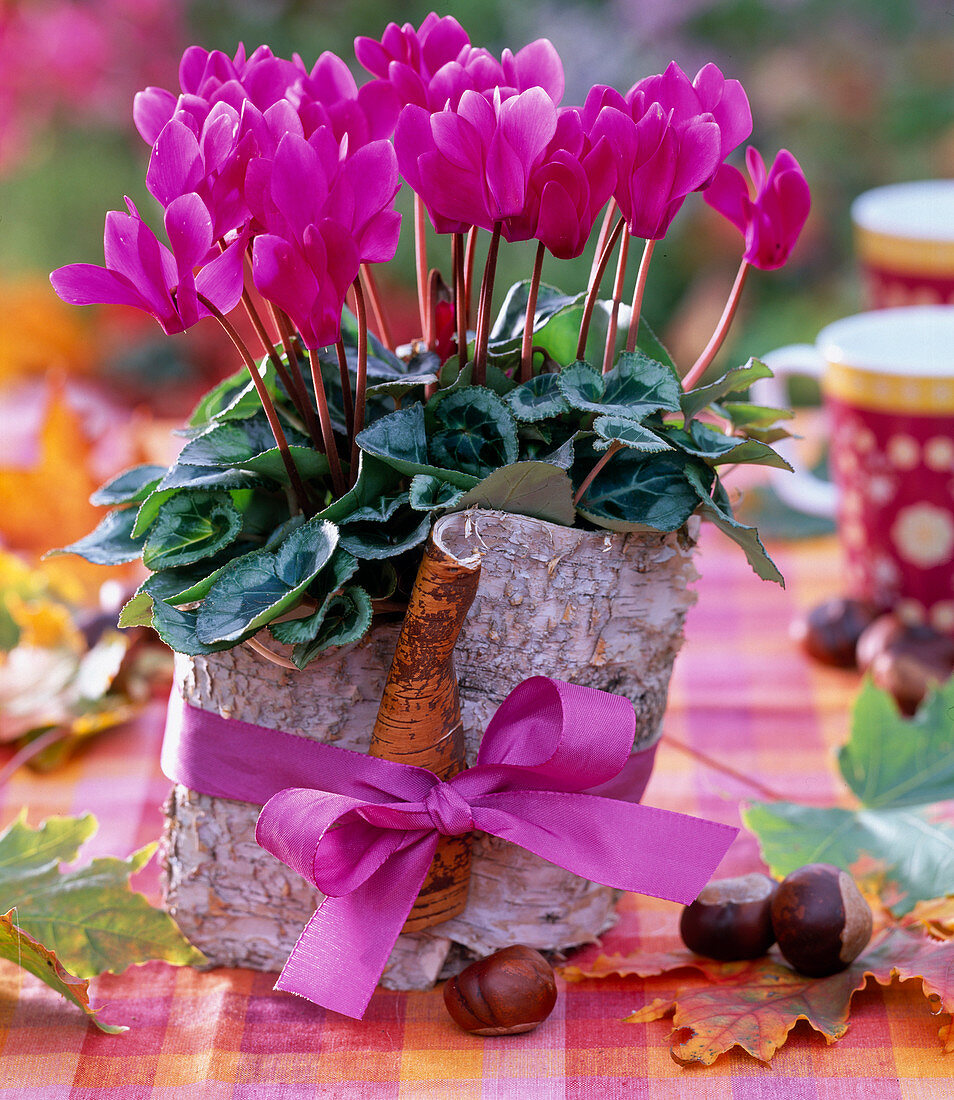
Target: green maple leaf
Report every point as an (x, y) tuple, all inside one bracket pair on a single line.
[(899, 769), (68, 926)]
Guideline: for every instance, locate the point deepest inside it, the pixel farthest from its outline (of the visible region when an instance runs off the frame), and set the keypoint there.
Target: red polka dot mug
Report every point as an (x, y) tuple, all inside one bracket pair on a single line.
[(887, 378), (904, 241)]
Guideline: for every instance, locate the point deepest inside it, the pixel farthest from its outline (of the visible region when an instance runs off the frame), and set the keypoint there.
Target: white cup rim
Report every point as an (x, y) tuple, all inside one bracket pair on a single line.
[(910, 341), (921, 210)]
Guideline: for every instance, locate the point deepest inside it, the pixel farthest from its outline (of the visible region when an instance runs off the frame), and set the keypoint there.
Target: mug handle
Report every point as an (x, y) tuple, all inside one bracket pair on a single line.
[(801, 489)]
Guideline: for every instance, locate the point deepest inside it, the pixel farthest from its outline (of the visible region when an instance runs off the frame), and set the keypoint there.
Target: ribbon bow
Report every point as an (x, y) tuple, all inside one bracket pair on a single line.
[(364, 830)]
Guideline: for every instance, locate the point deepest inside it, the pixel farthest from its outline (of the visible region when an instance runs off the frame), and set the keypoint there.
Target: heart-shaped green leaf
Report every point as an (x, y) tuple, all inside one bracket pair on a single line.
[(630, 433), (130, 487), (189, 527), (400, 440), (475, 432), (112, 542), (254, 589), (431, 494), (537, 399), (637, 492), (536, 489)]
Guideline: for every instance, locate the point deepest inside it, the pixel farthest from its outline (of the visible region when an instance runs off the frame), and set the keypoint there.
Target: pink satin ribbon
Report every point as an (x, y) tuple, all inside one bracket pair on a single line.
[(364, 830)]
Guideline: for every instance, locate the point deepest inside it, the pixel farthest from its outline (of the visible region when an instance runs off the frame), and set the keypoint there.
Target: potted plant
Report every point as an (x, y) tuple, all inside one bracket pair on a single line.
[(557, 439)]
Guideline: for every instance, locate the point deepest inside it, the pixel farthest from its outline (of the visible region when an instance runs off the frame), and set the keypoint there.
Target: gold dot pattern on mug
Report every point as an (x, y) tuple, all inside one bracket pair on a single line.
[(939, 453), (924, 535)]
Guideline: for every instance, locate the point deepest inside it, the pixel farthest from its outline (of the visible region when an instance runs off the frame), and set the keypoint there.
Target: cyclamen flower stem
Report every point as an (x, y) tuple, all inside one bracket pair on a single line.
[(377, 306), (270, 350), (297, 485), (526, 349), (460, 298), (588, 480), (361, 382), (324, 418), (486, 302), (617, 298), (638, 292), (594, 289), (346, 396), (701, 365), (420, 253), (469, 272), (605, 229), (303, 403), (433, 287)]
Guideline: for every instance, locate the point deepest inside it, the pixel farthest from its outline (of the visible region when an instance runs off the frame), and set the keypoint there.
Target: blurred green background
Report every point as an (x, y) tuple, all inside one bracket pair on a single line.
[(860, 91)]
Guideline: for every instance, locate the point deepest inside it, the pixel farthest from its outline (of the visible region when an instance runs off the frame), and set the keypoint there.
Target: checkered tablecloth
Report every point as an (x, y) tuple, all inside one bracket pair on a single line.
[(741, 695)]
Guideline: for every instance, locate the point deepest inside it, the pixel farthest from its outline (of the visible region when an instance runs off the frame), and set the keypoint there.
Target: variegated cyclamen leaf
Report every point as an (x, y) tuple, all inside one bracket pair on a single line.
[(130, 487), (537, 399), (637, 492), (189, 527), (475, 432), (734, 380), (717, 511), (431, 494), (346, 618), (629, 433), (112, 543), (254, 589), (400, 440)]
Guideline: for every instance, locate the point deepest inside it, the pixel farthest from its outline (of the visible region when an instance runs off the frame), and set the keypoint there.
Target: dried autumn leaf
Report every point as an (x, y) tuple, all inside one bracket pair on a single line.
[(18, 947), (754, 1005)]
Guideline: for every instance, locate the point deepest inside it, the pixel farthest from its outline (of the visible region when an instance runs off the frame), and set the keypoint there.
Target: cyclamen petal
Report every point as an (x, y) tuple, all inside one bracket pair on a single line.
[(774, 217), (537, 65), (176, 165), (152, 109), (222, 280), (88, 284), (189, 228)]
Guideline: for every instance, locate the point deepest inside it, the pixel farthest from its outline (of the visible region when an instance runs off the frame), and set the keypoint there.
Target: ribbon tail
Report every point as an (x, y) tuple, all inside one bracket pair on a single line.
[(630, 847), (343, 950)]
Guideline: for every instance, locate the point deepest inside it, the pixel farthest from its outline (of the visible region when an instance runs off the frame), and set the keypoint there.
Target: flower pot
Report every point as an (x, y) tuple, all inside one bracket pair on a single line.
[(593, 607)]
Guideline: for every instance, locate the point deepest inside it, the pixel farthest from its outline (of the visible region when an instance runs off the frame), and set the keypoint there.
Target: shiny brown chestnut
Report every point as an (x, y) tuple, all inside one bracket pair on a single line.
[(731, 918), (905, 659), (510, 991), (830, 631), (821, 921)]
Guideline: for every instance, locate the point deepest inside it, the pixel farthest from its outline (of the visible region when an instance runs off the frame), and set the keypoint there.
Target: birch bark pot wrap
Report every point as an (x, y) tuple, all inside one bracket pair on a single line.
[(593, 607)]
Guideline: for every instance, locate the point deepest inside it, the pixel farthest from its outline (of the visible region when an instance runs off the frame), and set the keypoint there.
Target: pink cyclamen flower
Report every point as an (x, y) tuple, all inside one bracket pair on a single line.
[(472, 164), (329, 96), (323, 217), (434, 65), (207, 78), (670, 135), (407, 60), (772, 220), (209, 159), (708, 93), (142, 272), (567, 189), (658, 163)]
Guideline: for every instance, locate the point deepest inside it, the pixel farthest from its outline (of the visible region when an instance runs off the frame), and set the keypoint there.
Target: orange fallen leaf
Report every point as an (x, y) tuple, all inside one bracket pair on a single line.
[(754, 1005)]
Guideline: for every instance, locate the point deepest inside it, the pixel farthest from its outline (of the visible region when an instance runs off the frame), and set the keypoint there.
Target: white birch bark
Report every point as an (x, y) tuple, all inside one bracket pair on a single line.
[(597, 608)]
